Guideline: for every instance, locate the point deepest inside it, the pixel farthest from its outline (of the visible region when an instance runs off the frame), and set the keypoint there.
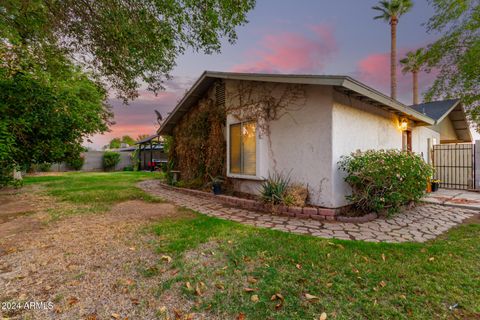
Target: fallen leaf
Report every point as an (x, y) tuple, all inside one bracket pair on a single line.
[(431, 259), (298, 266), (198, 291), (249, 289), (241, 316), (168, 259), (311, 297), (323, 316), (115, 316), (252, 280), (365, 258), (383, 283), (220, 286), (189, 286), (329, 284), (134, 301), (403, 296), (278, 296), (72, 301), (383, 257), (254, 298), (190, 316), (162, 310)]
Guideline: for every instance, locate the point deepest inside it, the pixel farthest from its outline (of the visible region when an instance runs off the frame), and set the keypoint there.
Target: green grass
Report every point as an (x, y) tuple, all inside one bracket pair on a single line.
[(351, 278), (92, 192)]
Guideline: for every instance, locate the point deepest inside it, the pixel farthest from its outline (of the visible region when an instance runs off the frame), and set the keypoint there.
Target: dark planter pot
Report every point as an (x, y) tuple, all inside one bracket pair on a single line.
[(217, 189), (435, 186)]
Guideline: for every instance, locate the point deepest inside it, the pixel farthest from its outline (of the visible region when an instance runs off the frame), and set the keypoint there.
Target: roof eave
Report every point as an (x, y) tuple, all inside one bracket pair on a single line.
[(364, 90)]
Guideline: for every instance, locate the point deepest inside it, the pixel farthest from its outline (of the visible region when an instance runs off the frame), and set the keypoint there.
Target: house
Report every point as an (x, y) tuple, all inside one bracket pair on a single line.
[(335, 116)]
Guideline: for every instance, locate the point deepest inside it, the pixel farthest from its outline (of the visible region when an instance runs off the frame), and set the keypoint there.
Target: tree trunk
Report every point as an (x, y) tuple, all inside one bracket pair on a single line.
[(393, 58), (415, 87)]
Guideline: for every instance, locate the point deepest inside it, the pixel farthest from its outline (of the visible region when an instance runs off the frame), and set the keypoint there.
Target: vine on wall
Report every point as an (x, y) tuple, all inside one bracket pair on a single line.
[(198, 146)]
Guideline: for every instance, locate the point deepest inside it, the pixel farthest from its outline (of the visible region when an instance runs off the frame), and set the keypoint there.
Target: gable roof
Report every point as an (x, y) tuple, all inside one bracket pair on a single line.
[(453, 109), (437, 110), (344, 84)]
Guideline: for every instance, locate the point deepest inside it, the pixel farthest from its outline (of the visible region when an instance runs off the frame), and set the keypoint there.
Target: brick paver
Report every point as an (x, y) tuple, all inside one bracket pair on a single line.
[(422, 223)]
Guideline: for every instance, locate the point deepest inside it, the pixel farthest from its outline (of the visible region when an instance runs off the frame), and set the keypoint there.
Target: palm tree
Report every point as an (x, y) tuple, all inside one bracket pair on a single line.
[(413, 62), (390, 12)]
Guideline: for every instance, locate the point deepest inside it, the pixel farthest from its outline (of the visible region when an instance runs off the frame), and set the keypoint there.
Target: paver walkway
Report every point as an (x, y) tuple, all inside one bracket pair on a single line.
[(455, 198), (419, 224)]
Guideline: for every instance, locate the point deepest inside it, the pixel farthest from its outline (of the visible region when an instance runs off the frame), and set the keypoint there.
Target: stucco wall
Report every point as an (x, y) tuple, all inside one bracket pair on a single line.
[(299, 144), (447, 131), (309, 142), (358, 126), (421, 136)]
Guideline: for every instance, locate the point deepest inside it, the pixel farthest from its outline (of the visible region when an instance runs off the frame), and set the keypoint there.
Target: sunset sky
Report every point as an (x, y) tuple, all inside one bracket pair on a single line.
[(287, 36)]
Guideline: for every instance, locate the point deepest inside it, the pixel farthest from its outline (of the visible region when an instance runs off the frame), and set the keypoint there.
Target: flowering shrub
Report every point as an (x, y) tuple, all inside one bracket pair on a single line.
[(385, 179)]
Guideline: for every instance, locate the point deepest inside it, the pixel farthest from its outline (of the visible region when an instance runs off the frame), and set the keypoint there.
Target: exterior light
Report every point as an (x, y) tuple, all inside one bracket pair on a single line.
[(404, 124)]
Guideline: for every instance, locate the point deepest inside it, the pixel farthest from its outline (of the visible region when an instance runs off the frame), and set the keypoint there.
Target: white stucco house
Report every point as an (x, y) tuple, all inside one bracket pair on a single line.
[(339, 116)]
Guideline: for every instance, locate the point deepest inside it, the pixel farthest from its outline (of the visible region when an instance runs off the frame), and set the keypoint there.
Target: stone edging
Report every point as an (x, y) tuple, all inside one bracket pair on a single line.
[(248, 204), (366, 218)]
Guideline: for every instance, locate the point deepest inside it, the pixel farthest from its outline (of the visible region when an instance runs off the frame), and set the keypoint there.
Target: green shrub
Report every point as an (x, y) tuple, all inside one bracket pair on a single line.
[(128, 168), (274, 188), (76, 163), (110, 160), (385, 179), (44, 167)]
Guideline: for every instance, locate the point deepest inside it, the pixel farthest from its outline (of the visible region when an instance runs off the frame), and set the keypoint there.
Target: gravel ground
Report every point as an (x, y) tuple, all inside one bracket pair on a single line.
[(87, 266)]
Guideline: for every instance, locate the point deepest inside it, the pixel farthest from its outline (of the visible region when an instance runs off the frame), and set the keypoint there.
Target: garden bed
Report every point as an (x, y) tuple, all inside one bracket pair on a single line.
[(315, 213)]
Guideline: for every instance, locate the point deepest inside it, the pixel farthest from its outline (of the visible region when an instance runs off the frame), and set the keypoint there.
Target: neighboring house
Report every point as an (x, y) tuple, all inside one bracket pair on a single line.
[(339, 116)]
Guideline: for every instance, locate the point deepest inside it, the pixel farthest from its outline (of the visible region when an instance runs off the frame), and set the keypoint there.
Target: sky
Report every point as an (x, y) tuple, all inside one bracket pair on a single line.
[(335, 37)]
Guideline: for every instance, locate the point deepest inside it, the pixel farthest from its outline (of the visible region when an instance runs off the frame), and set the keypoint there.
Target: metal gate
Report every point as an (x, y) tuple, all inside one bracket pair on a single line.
[(454, 165)]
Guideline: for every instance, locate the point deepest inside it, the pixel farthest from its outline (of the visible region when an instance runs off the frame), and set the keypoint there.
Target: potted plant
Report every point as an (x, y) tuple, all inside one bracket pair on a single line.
[(435, 185), (216, 183)]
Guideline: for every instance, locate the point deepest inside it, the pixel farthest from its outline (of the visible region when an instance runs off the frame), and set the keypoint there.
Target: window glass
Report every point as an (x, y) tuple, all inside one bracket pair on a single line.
[(249, 148), (243, 148), (235, 163)]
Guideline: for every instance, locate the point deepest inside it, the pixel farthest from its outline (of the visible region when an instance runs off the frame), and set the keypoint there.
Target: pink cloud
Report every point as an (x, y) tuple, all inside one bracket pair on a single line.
[(374, 70), (291, 52)]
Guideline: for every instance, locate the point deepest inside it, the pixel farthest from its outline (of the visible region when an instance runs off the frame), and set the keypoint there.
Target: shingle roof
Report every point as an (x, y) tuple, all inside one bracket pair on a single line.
[(344, 83), (436, 109)]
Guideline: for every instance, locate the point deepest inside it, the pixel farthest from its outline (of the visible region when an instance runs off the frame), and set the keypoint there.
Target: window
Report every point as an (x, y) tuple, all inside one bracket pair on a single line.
[(243, 145)]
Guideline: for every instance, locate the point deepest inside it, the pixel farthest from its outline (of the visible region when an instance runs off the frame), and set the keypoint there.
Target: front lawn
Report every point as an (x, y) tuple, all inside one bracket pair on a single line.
[(349, 279), (231, 271), (92, 192)]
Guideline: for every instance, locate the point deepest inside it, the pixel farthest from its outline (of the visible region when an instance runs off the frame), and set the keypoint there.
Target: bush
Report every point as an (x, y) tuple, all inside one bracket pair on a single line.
[(385, 179), (44, 167), (128, 168), (296, 195), (110, 160), (76, 163)]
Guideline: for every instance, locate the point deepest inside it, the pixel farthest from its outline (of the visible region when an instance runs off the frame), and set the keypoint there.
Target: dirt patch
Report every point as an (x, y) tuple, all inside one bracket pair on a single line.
[(472, 220), (88, 266)]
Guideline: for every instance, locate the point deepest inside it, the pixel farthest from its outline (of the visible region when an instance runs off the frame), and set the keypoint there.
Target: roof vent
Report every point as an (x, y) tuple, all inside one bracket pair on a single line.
[(220, 94)]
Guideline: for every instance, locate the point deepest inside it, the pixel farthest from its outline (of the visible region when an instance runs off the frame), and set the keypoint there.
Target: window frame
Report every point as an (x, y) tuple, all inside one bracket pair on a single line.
[(242, 175)]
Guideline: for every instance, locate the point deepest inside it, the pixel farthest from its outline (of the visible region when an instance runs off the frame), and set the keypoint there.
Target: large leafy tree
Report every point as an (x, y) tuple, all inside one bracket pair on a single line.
[(46, 110), (391, 11), (413, 63), (456, 54), (124, 43), (60, 58)]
